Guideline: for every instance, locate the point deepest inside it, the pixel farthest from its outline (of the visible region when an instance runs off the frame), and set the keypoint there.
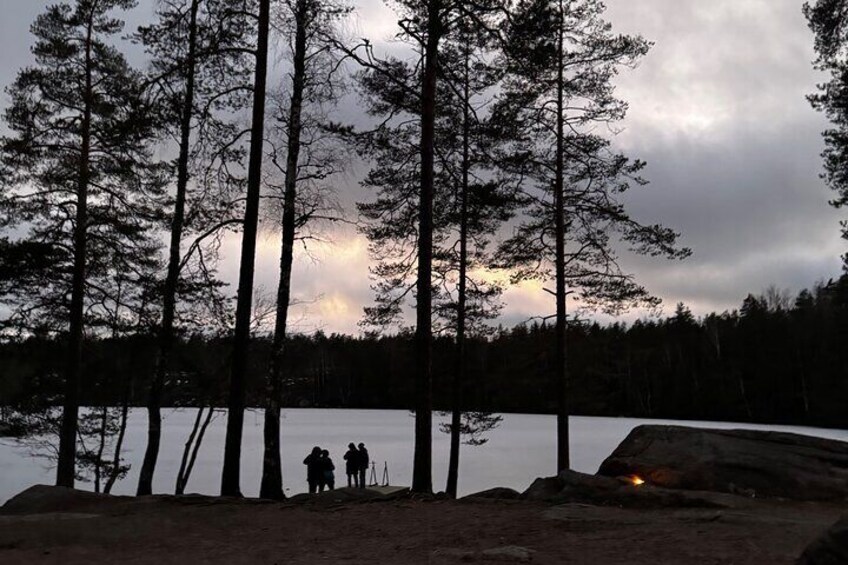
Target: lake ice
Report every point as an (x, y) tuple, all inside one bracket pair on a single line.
[(520, 450)]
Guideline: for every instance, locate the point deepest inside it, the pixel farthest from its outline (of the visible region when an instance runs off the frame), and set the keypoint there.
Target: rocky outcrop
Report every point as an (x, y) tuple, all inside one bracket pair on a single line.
[(571, 486), (831, 548), (498, 493), (743, 462), (350, 494), (39, 499)]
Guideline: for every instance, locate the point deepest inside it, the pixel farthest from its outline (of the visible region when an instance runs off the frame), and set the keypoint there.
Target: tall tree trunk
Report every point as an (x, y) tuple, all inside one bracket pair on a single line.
[(422, 480), (66, 467), (272, 474), (166, 333), (230, 477), (561, 352), (460, 373)]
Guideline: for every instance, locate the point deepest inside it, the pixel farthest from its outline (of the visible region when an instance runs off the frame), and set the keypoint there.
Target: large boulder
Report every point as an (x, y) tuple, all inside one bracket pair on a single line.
[(746, 462), (831, 548)]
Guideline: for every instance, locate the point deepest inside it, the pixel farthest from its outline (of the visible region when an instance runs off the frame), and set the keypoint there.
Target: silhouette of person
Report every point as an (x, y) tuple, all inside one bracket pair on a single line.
[(352, 465), (364, 461), (328, 478), (313, 469)]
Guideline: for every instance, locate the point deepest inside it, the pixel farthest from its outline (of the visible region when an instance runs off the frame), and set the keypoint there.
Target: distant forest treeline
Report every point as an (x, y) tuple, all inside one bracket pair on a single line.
[(777, 359)]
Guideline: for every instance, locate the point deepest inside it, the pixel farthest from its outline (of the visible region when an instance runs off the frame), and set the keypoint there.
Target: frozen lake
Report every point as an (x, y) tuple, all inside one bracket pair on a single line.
[(517, 452)]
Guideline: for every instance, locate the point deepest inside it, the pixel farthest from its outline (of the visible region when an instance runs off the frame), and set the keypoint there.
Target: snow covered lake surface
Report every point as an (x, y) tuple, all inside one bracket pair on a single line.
[(522, 449)]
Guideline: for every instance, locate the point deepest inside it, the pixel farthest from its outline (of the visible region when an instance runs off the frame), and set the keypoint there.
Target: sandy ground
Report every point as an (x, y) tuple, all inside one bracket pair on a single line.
[(163, 530)]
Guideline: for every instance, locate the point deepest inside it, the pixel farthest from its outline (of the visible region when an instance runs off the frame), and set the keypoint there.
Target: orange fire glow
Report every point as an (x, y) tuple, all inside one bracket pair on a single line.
[(636, 480)]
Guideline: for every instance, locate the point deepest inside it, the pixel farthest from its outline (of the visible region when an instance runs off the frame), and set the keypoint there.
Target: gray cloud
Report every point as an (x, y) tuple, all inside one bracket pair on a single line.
[(717, 109)]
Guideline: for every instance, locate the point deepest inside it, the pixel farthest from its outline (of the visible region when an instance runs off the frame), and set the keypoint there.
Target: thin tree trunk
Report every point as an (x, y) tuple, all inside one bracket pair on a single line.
[(272, 474), (560, 356), (187, 450), (422, 471), (101, 447), (744, 396), (460, 374), (802, 374), (805, 394), (197, 444), (192, 445), (119, 445), (66, 467), (125, 396), (166, 333), (230, 477)]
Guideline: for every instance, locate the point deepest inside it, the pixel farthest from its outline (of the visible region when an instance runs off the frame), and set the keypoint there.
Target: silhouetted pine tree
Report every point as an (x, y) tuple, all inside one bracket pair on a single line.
[(305, 163), (478, 203), (417, 149), (78, 178), (828, 19), (561, 58)]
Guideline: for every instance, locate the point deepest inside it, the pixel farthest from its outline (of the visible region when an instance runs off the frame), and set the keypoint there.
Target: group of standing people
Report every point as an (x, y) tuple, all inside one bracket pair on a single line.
[(320, 468), (356, 464)]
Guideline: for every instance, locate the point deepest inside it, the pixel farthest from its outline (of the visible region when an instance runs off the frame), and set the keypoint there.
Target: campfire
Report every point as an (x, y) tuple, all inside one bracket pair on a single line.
[(636, 480)]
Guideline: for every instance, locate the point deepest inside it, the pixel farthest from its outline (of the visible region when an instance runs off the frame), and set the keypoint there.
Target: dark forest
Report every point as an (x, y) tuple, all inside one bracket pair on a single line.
[(774, 360)]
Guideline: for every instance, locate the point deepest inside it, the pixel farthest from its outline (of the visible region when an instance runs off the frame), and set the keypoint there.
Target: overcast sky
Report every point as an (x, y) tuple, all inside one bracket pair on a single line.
[(717, 109)]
